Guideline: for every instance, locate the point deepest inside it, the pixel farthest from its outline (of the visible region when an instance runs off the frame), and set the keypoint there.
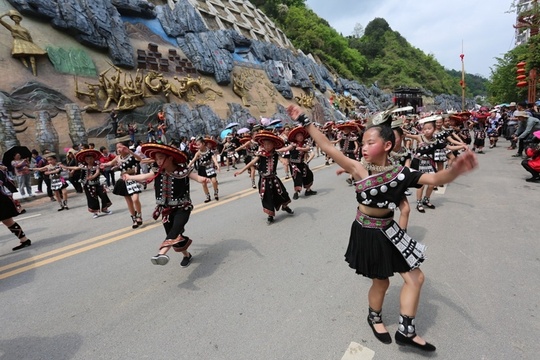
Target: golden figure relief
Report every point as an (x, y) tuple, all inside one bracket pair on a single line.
[(187, 90), (23, 45), (131, 93), (306, 100), (92, 95), (247, 83)]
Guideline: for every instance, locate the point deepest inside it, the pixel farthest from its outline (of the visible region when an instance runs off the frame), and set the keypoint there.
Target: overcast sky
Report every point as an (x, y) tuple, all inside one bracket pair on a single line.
[(436, 27)]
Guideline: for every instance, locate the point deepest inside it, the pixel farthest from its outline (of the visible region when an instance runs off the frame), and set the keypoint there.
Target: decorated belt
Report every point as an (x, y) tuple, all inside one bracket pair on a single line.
[(372, 222)]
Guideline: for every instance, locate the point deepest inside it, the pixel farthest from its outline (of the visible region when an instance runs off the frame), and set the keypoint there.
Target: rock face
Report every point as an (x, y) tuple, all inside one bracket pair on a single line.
[(239, 114), (373, 97), (184, 121), (98, 24), (95, 23), (183, 19), (211, 53), (453, 102)]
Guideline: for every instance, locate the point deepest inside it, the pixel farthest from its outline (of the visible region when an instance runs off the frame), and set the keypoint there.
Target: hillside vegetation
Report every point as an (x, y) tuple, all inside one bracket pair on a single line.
[(380, 55)]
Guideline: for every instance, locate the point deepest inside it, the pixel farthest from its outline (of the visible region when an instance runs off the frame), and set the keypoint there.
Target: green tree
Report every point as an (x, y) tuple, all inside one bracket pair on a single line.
[(502, 85)]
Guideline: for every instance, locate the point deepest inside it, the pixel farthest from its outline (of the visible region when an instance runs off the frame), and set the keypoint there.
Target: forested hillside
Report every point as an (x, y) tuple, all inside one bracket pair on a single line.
[(380, 55)]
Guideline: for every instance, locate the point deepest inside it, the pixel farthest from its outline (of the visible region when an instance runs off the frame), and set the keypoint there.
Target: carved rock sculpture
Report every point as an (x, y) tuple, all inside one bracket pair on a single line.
[(8, 135), (77, 131), (46, 134)]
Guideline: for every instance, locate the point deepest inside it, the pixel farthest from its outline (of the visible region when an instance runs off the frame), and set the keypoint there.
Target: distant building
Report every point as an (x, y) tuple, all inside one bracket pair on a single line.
[(406, 96), (522, 33)]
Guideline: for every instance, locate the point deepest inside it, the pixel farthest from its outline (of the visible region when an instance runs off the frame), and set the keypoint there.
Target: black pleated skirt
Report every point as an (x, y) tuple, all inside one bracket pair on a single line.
[(372, 254)]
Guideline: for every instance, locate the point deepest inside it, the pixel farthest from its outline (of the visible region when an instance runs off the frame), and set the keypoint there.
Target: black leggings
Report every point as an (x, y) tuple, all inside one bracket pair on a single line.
[(177, 221)]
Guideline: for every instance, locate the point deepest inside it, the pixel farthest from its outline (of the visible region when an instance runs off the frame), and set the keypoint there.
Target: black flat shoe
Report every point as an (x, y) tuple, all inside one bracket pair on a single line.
[(407, 341), (22, 245), (385, 338), (428, 205), (288, 210)]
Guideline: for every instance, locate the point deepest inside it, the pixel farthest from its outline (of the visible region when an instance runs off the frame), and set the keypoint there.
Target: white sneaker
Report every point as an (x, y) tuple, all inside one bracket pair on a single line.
[(159, 259), (107, 212), (95, 216)]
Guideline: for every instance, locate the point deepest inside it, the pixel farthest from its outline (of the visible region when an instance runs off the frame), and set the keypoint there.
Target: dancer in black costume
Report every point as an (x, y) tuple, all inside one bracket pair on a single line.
[(378, 247)]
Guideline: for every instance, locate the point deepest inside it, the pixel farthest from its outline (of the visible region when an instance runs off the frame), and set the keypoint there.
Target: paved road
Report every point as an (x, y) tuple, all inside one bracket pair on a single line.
[(86, 288)]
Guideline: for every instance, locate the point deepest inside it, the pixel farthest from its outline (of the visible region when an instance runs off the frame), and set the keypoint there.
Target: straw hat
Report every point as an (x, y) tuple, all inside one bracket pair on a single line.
[(81, 155), (347, 125), (151, 149), (211, 143), (295, 131), (245, 139), (267, 135)]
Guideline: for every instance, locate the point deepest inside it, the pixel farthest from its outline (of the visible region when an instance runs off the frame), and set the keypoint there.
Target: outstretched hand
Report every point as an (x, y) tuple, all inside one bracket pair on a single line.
[(294, 111), (465, 162)]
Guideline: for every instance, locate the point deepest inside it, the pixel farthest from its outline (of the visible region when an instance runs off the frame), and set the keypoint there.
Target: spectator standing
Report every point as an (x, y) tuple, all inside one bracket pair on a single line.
[(73, 176), (38, 175), (108, 171), (21, 167), (113, 119)]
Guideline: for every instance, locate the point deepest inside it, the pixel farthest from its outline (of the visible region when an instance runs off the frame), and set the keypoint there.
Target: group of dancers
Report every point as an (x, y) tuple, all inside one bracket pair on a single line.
[(375, 156)]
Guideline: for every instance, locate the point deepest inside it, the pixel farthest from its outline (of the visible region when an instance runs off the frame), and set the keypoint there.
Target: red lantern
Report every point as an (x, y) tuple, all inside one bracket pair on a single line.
[(521, 77)]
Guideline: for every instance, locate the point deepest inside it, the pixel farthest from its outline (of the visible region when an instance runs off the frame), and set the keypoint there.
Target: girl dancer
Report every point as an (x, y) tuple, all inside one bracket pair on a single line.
[(229, 148), (424, 158), (58, 183), (128, 162), (445, 136), (301, 173), (284, 158), (378, 247), (271, 190), (93, 189), (348, 142), (208, 164), (8, 209), (251, 147), (171, 184), (401, 156)]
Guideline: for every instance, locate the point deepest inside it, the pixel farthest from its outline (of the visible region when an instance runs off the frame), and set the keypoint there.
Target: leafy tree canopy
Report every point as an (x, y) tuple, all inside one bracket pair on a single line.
[(379, 54)]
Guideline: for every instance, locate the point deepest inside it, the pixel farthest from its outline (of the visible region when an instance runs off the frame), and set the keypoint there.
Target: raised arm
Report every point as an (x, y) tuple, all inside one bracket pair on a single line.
[(351, 166)]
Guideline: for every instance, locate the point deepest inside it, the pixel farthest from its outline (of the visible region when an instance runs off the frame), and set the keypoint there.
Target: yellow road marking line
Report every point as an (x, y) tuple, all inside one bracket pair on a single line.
[(101, 240)]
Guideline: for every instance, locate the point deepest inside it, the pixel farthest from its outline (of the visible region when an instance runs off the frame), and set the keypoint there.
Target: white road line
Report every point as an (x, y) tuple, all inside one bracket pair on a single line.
[(26, 217)]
